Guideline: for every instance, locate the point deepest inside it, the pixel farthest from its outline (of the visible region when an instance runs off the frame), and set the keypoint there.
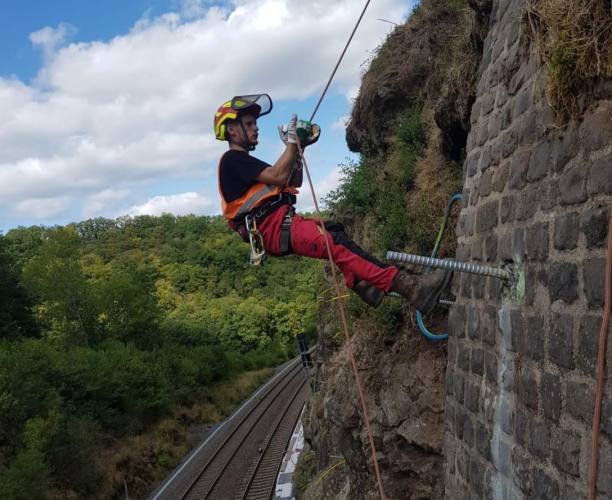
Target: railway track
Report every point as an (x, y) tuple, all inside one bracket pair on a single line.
[(241, 459)]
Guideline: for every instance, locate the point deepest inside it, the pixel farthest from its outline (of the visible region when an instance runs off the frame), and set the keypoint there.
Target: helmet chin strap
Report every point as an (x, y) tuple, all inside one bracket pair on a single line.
[(249, 145)]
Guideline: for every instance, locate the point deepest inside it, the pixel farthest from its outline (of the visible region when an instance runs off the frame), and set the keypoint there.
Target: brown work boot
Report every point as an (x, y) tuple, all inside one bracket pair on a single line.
[(423, 290), (368, 293)]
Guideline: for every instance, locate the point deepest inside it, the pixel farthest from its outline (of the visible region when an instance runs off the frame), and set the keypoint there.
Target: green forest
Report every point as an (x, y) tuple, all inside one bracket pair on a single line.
[(108, 326)]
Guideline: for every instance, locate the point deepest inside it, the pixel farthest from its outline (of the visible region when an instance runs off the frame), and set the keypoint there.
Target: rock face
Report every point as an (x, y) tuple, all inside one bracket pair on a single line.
[(506, 412), (520, 426), (404, 380)]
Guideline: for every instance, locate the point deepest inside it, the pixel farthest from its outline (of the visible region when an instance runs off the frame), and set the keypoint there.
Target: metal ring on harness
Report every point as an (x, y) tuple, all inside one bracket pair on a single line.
[(258, 252)]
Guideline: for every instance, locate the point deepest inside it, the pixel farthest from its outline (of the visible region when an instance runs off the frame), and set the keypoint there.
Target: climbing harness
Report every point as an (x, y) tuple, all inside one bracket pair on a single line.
[(419, 316), (285, 232), (258, 252)]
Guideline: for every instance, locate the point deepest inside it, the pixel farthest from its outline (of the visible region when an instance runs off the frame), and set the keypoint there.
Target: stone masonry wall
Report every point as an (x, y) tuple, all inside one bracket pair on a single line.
[(520, 376)]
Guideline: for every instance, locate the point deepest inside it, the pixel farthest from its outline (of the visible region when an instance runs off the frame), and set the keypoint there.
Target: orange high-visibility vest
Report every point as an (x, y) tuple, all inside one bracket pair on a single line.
[(254, 197)]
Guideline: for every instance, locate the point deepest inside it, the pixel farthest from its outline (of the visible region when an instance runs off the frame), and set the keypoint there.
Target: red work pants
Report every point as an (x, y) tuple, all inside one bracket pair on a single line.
[(307, 240)]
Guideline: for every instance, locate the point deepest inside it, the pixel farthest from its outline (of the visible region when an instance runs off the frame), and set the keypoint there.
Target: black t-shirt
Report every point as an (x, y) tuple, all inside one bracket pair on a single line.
[(238, 171)]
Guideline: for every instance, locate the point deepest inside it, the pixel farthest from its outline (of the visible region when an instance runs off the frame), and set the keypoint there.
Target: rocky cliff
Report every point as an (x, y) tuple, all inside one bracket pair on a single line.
[(473, 96)]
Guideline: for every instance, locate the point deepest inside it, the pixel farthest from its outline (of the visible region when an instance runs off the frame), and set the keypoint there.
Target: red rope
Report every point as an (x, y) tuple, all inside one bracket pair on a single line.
[(349, 349), (601, 360)]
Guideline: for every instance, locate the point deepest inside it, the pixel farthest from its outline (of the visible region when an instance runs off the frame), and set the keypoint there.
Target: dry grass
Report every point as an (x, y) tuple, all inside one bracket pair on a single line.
[(144, 460), (573, 39)]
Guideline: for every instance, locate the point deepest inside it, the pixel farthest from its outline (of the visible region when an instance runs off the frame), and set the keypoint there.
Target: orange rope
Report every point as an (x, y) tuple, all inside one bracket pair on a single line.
[(601, 360), (343, 315)]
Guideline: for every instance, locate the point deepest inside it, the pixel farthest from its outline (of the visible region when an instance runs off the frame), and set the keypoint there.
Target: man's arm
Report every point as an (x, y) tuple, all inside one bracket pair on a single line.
[(278, 174), (297, 175)]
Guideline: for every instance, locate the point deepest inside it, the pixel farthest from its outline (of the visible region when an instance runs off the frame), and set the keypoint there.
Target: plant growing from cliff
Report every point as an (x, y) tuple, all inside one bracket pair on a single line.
[(573, 39)]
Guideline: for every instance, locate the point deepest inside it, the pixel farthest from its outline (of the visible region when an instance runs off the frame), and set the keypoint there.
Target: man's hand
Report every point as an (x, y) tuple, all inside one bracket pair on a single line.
[(292, 136), (308, 133)]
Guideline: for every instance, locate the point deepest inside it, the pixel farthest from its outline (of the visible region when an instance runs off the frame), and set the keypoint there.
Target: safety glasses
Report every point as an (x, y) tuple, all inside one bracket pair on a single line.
[(261, 101)]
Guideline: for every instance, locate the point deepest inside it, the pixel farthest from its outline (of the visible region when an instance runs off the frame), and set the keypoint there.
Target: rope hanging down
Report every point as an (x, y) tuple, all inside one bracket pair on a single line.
[(340, 300)]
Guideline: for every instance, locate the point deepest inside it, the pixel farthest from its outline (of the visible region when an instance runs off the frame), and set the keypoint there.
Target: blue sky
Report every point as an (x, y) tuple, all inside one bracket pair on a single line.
[(107, 106)]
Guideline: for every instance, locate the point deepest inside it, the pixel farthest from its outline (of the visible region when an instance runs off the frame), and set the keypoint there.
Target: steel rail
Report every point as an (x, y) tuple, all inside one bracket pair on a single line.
[(284, 382), (266, 457)]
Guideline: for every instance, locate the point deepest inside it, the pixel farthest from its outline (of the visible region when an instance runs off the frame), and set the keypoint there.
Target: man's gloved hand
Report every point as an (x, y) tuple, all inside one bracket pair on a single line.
[(290, 133), (307, 133)]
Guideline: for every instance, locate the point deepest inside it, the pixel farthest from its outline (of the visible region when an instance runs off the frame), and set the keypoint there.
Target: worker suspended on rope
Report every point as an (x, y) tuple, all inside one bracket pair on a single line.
[(257, 199)]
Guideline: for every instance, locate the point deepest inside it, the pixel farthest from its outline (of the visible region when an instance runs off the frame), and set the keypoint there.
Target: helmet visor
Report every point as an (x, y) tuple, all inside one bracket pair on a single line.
[(242, 103)]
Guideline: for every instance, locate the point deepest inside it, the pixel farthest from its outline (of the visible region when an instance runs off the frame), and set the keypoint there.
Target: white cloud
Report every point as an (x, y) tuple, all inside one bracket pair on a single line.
[(138, 108), (177, 204), (322, 189), (99, 202), (41, 208), (340, 124), (49, 39)]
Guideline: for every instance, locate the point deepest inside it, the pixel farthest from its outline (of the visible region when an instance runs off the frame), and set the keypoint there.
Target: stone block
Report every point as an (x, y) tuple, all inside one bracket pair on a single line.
[(483, 131), (456, 321), (478, 361), (521, 102), (488, 325), (490, 367), (579, 399), (518, 244), (566, 231), (472, 397), (526, 129), (561, 342), (486, 216), (549, 194), (495, 288), (478, 286), (528, 203), (464, 358), (513, 337), (566, 451), (587, 345), (562, 278), (536, 241), (538, 162), (572, 185), (606, 416), (596, 128), (490, 248), (594, 272), (473, 323), (485, 159), (471, 163), (508, 209), (522, 423), (594, 225), (494, 125), (522, 465), (506, 117), (508, 141), (563, 149), (600, 176), (519, 164), (533, 338), (458, 387), (544, 485), (505, 246), (484, 187), (477, 470), (500, 177), (468, 431), (477, 248), (539, 439), (483, 440), (551, 396), (508, 374), (528, 387)]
